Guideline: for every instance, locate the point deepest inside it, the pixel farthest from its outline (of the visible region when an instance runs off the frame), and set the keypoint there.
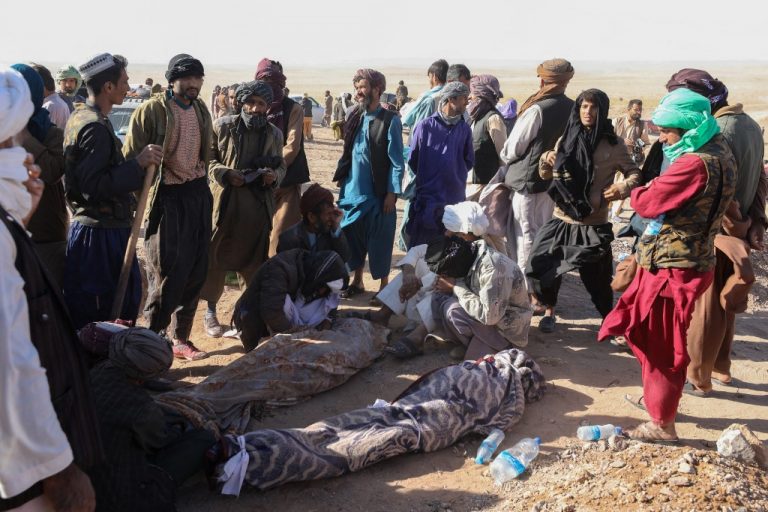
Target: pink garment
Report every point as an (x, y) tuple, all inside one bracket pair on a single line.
[(685, 178), (653, 314)]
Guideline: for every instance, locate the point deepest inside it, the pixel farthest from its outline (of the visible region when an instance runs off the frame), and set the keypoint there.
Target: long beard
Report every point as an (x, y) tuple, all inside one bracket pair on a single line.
[(365, 101)]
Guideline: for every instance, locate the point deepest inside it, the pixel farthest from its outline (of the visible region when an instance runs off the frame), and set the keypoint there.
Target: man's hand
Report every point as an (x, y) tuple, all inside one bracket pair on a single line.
[(612, 193), (389, 202), (629, 142), (445, 285), (70, 490), (152, 154), (755, 236), (34, 184), (411, 284), (268, 178), (549, 159), (234, 178)]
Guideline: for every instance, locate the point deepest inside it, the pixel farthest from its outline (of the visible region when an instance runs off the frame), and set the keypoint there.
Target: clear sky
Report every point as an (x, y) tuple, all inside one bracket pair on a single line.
[(407, 32)]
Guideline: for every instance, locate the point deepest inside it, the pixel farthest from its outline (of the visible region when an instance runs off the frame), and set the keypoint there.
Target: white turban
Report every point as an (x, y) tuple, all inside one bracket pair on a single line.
[(465, 217), (15, 103)]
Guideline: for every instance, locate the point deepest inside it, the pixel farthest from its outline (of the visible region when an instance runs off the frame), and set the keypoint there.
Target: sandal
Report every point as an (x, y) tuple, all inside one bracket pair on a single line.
[(635, 403), (646, 434), (362, 315), (404, 348), (721, 381), (547, 324), (690, 389), (351, 291)]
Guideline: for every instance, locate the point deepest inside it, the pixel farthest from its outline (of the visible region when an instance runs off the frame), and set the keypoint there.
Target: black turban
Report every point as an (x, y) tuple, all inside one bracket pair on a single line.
[(183, 65), (450, 256), (257, 88)]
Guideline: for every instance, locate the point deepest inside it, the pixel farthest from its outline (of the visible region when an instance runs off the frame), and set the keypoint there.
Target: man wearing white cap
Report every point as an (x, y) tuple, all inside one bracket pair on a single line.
[(44, 445), (100, 184), (484, 307)]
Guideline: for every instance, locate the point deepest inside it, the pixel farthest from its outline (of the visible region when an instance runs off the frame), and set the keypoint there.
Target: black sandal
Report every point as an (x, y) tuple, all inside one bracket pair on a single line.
[(635, 403), (362, 315), (404, 348), (351, 291)]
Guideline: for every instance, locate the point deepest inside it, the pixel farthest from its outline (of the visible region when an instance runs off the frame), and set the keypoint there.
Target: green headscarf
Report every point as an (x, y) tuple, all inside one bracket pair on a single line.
[(69, 72), (688, 111)]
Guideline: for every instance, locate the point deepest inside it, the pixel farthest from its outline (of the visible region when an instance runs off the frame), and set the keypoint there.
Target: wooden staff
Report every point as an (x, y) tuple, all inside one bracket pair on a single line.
[(130, 250)]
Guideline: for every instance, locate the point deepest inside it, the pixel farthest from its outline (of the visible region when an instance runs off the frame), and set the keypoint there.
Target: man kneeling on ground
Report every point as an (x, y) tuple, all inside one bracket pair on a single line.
[(293, 289), (150, 450), (320, 225), (460, 287)]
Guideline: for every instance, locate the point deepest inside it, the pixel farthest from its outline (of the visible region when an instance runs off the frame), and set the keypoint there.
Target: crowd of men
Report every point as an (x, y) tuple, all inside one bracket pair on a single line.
[(499, 203)]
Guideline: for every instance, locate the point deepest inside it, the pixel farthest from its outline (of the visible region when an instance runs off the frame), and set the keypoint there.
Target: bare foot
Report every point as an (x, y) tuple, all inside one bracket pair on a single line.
[(722, 378)]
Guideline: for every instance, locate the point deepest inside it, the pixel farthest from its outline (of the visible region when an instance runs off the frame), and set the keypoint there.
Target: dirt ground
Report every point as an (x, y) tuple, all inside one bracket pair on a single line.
[(587, 383)]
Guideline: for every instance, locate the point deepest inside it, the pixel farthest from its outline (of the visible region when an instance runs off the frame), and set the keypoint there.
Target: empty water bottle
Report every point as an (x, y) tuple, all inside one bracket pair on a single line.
[(488, 446), (597, 432), (654, 226), (510, 463)]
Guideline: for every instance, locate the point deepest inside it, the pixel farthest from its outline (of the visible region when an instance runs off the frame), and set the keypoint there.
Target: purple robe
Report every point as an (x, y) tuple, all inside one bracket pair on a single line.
[(441, 156)]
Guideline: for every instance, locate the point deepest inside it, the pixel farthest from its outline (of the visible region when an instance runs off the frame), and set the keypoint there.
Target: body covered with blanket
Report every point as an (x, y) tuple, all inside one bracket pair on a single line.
[(434, 412)]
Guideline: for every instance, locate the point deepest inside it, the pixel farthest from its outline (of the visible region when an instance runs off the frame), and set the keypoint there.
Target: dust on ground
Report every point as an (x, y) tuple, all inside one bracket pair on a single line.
[(587, 383)]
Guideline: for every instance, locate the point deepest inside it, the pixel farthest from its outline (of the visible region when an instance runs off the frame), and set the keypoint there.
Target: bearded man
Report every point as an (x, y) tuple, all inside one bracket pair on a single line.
[(320, 226), (246, 165), (369, 173), (178, 230)]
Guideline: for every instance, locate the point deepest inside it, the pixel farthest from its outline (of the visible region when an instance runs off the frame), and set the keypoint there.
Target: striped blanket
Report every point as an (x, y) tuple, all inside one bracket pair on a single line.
[(434, 412)]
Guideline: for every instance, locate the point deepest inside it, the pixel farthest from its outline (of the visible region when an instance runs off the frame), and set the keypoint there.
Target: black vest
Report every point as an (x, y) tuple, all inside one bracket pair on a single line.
[(119, 208), (523, 174), (60, 354), (298, 172), (378, 141), (486, 158)]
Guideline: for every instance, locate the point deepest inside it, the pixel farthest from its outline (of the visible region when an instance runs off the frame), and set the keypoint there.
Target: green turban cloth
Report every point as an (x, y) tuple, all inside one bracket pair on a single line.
[(690, 112)]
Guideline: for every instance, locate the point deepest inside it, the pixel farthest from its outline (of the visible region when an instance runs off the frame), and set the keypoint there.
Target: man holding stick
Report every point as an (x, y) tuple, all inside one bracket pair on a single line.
[(178, 227), (99, 185)]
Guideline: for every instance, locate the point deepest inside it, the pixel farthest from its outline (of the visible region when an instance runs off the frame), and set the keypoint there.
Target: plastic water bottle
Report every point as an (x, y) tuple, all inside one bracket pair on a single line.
[(654, 227), (510, 463), (597, 432), (488, 446)]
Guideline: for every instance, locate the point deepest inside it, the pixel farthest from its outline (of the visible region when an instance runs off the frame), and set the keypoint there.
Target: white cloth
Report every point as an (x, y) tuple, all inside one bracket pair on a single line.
[(310, 314), (13, 194), (57, 108), (234, 471), (525, 130), (33, 445), (465, 217), (15, 103), (419, 307), (529, 212)]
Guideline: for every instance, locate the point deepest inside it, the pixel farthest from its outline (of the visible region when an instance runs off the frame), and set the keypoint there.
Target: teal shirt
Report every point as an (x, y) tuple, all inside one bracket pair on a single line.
[(357, 197)]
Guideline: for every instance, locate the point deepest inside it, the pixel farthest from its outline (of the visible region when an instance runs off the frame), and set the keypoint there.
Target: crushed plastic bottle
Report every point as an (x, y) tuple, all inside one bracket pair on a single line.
[(511, 463), (488, 446), (597, 432)]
